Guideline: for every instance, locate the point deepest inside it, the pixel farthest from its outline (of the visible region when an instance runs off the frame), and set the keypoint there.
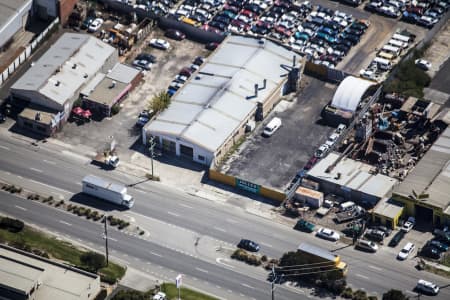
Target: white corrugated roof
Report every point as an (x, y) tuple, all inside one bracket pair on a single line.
[(212, 105), (349, 93)]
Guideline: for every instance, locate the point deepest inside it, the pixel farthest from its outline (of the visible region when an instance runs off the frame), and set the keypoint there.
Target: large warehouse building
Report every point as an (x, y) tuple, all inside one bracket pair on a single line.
[(425, 191), (241, 80), (13, 18)]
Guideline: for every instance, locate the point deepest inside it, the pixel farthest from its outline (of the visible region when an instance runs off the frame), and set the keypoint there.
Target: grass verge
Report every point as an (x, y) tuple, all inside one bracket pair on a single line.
[(186, 294), (31, 239)]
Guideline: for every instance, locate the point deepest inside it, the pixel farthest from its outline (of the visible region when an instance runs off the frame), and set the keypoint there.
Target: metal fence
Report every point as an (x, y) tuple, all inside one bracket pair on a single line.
[(26, 53)]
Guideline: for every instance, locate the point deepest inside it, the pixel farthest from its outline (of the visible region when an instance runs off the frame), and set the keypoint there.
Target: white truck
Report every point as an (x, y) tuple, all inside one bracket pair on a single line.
[(106, 190)]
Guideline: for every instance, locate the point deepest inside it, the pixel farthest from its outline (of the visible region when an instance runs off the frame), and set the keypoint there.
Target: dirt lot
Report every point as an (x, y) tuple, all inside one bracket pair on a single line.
[(121, 126)]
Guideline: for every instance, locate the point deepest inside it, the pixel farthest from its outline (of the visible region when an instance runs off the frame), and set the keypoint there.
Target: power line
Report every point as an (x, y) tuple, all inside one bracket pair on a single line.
[(310, 264)]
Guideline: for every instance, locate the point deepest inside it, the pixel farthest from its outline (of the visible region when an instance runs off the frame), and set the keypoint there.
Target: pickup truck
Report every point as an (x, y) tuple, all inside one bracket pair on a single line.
[(106, 161)]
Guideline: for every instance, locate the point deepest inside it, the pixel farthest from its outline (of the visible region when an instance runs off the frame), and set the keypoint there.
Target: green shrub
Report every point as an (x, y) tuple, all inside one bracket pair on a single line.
[(93, 260), (359, 295), (107, 279), (373, 298), (264, 258), (115, 109), (12, 225), (102, 295), (347, 293)]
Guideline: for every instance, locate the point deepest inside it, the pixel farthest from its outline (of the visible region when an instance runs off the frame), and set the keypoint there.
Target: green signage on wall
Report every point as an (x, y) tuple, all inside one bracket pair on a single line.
[(248, 186)]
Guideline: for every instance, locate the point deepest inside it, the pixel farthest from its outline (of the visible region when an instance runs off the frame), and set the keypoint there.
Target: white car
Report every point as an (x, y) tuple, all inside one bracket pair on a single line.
[(181, 78), (406, 251), (340, 129), (328, 234), (323, 149), (427, 287), (367, 74), (160, 296), (423, 64), (160, 44), (95, 25), (332, 139), (409, 224)]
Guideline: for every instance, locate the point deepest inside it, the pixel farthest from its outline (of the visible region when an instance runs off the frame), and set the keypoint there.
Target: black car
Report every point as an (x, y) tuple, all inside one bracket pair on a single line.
[(396, 239), (211, 46), (253, 8), (219, 25), (199, 60), (386, 230), (359, 26), (431, 252), (341, 47), (147, 57), (354, 31), (353, 39), (260, 30), (222, 19), (248, 245), (345, 42), (175, 34)]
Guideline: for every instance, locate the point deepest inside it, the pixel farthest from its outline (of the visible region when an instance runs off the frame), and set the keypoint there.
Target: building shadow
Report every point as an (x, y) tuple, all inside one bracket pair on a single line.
[(28, 133)]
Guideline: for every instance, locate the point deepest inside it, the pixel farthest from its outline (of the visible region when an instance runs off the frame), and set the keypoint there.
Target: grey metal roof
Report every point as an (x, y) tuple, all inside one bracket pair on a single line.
[(123, 73), (353, 174), (431, 175), (325, 254), (388, 208), (212, 105), (65, 67), (8, 9)]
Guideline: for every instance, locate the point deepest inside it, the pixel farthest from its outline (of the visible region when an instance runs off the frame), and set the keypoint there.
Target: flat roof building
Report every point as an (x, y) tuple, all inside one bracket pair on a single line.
[(351, 179), (27, 276), (13, 18), (241, 79)]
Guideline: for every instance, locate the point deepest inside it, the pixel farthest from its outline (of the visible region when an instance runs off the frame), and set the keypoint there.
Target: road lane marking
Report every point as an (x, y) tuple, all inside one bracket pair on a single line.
[(185, 205), (155, 254), (49, 162), (65, 223), (247, 286), (219, 261), (202, 270), (362, 276), (267, 245), (4, 147), (173, 214), (20, 207), (111, 239), (49, 186), (375, 268), (36, 170), (219, 229), (232, 221)]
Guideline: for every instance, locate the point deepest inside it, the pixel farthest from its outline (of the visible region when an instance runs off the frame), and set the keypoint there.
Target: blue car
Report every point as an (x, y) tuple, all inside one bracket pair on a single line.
[(410, 17)]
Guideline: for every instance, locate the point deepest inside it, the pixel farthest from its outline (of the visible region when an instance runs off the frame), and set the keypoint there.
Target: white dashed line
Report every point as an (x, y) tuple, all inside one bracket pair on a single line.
[(65, 223), (362, 276), (49, 162), (36, 170), (202, 270), (232, 221), (375, 268), (111, 239), (155, 254), (185, 205), (173, 214), (247, 286), (4, 147), (219, 229), (267, 245), (20, 207)]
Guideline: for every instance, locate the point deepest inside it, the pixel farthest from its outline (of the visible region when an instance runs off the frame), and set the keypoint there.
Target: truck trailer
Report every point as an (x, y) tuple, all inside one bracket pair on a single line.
[(106, 190), (322, 259)]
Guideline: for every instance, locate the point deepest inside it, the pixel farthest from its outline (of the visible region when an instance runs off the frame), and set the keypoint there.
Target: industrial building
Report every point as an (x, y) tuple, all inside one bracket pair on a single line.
[(106, 90), (27, 276), (76, 65), (241, 81), (425, 191), (13, 18), (348, 96), (353, 180)]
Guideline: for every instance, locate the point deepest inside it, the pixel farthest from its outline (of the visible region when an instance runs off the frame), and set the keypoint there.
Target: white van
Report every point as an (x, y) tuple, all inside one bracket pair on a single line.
[(273, 126), (397, 43), (401, 38), (346, 206), (382, 63), (392, 50)]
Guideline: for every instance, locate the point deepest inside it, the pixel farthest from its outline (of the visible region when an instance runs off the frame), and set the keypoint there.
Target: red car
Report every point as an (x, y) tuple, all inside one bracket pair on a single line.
[(312, 161), (249, 14)]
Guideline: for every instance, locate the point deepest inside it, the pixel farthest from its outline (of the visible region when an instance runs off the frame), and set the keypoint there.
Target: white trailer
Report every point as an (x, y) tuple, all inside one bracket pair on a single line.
[(106, 190)]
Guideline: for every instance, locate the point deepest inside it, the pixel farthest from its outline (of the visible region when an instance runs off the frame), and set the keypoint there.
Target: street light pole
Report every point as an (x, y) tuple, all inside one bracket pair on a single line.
[(106, 239), (151, 149), (273, 282)]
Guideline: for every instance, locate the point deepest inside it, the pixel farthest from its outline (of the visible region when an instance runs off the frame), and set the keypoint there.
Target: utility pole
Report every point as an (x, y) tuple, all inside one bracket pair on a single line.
[(274, 281), (151, 141), (105, 236)]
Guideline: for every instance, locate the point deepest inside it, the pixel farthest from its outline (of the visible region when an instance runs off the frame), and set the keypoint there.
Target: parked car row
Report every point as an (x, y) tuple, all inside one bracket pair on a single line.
[(184, 75), (327, 146), (144, 61)]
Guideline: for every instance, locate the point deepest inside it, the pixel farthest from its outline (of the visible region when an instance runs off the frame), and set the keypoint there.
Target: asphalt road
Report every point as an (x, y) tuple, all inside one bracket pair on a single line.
[(375, 273)]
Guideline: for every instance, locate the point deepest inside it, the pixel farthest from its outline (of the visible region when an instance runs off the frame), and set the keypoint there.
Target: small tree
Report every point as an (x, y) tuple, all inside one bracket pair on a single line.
[(394, 295), (159, 102), (93, 260)]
